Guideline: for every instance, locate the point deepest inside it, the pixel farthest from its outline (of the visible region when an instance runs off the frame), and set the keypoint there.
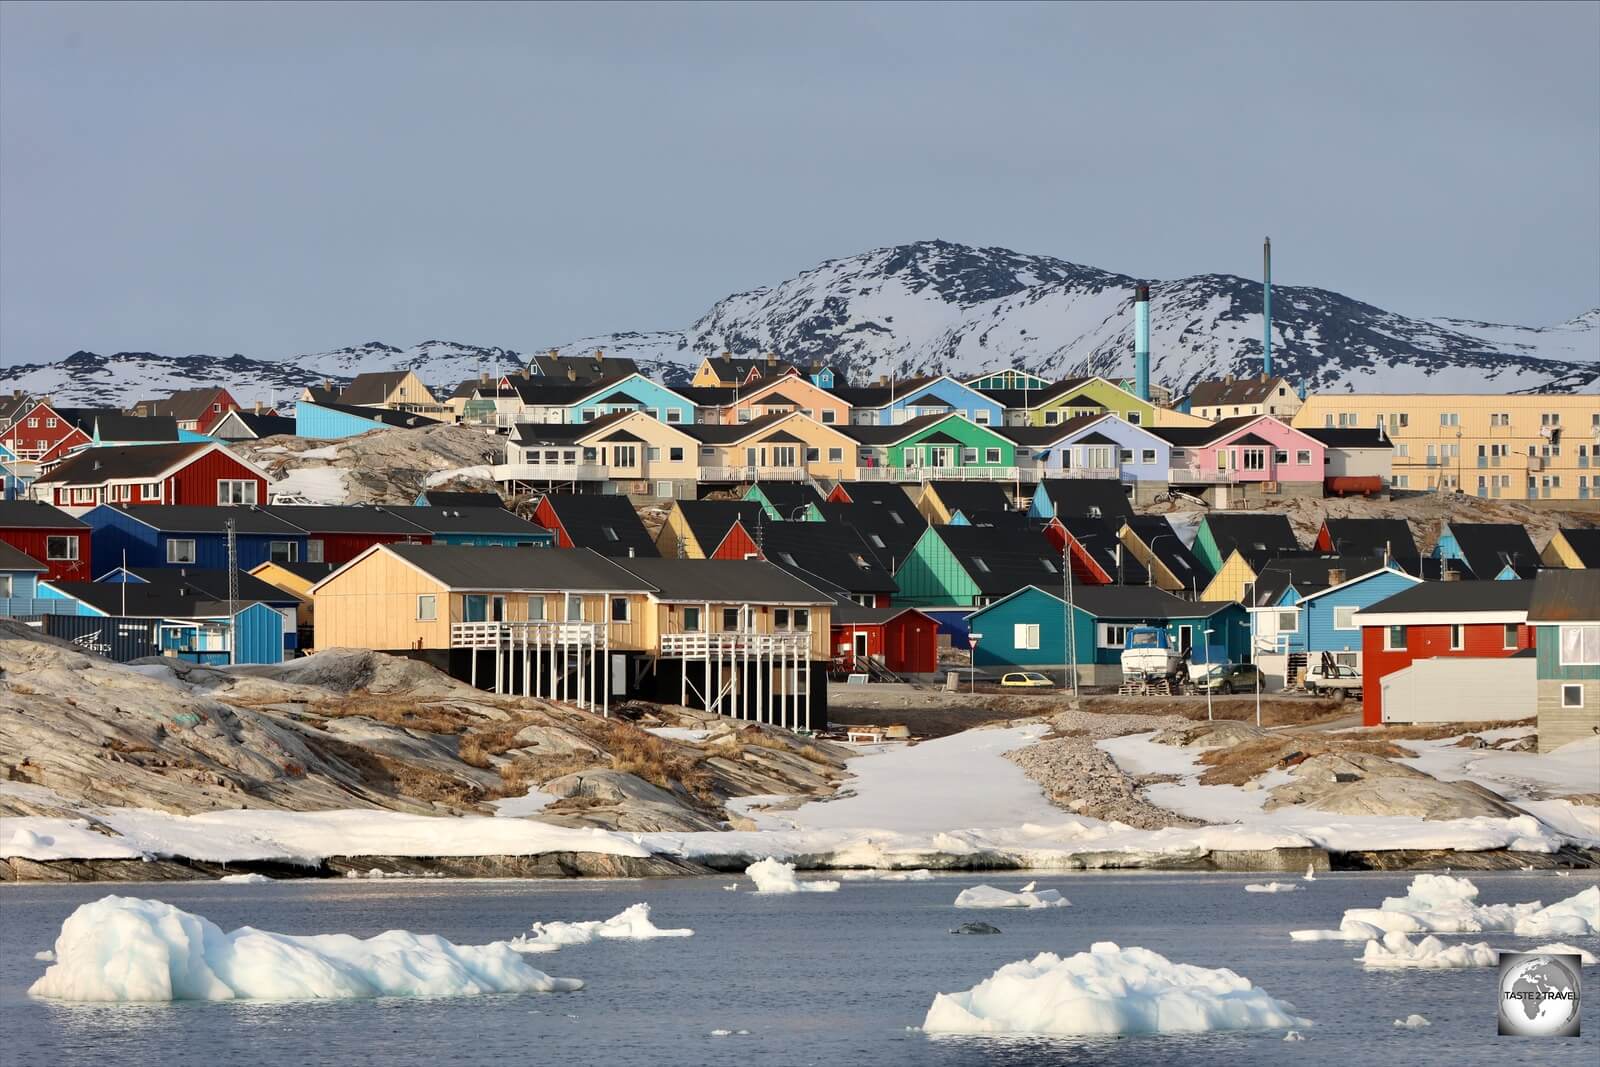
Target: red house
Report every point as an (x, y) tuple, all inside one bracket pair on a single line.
[(902, 639), (737, 543), (194, 409), (52, 537), (202, 473), (604, 522), (1434, 619), (42, 433), (338, 534)]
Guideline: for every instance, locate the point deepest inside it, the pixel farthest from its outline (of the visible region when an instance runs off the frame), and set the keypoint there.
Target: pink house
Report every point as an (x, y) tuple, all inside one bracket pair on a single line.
[(1246, 450)]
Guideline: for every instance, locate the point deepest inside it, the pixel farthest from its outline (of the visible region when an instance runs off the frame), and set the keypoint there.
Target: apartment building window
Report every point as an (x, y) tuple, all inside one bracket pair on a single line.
[(283, 551), (1449, 418), (691, 620), (1550, 418), (180, 550), (427, 607), (619, 609), (1327, 421), (1499, 418), (83, 496), (1402, 481), (1025, 635), (1112, 635), (1510, 639), (1394, 638), (236, 492), (64, 548), (121, 491)]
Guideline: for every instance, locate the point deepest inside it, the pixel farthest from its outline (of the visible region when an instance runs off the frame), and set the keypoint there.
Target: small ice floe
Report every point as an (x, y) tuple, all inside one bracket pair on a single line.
[(1529, 867), (730, 1033), (1397, 951), (1412, 1022), (770, 876), (1294, 1035), (1585, 957), (244, 879), (1271, 887), (1311, 873), (1108, 990), (47, 956), (630, 924), (1028, 888), (732, 888), (126, 949), (987, 896), (1563, 874)]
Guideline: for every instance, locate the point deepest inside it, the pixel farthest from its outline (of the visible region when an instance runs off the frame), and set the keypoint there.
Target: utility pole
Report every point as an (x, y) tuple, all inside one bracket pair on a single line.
[(233, 594), (1072, 615)]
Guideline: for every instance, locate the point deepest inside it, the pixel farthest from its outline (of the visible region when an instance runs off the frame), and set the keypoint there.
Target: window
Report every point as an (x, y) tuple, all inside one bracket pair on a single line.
[(1255, 459), (5, 587), (1280, 455), (675, 454), (1580, 646), (1394, 638), (1049, 564), (574, 608), (674, 415), (1147, 456), (49, 424), (652, 454), (427, 607), (283, 551), (1510, 640), (536, 609), (314, 551), (1344, 618), (180, 550), (969, 456), (1303, 457), (780, 618), (1113, 635), (829, 416), (835, 455), (991, 455), (1288, 622), (1025, 635), (230, 491), (813, 455), (981, 417), (1458, 637), (802, 620), (730, 619), (33, 424), (1572, 696), (61, 548), (979, 565), (1135, 418), (588, 415), (619, 609), (1449, 418), (691, 620)]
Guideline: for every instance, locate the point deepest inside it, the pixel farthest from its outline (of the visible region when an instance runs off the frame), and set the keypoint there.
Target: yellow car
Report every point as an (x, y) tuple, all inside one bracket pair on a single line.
[(1026, 680)]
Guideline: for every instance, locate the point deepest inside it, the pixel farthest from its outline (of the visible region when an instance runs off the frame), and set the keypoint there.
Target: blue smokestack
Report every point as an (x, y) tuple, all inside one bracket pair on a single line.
[(1141, 341), (1266, 307)]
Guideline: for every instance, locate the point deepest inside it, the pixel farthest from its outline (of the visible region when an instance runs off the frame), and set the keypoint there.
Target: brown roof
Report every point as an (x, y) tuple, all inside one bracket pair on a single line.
[(1254, 390), (185, 405)]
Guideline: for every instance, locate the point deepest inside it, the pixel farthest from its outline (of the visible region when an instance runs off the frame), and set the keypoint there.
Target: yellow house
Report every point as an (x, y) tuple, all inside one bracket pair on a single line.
[(1576, 549), (296, 579), (774, 448), (1073, 397), (728, 369), (694, 528), (1536, 447), (398, 390), (781, 396), (1225, 398), (644, 455), (1230, 580)]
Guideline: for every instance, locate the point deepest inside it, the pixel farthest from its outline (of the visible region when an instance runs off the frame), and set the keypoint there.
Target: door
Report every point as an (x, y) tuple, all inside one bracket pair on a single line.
[(497, 609), (1185, 641), (939, 456), (860, 637)]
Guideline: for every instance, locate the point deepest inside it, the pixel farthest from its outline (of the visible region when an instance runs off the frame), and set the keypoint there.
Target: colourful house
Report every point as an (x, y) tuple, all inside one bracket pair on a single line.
[(1103, 447), (890, 403), (1221, 533), (326, 420), (782, 395), (1298, 631), (969, 566), (1564, 614), (633, 392), (1086, 498), (933, 446), (1247, 459), (188, 536), (777, 447), (1007, 378), (49, 536), (1572, 548), (1491, 551), (19, 580)]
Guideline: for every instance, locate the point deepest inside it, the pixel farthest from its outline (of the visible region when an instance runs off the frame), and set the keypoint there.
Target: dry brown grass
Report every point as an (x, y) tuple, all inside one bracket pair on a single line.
[(761, 739), (1244, 762), (659, 762), (519, 775), (1437, 731), (479, 745), (399, 777)]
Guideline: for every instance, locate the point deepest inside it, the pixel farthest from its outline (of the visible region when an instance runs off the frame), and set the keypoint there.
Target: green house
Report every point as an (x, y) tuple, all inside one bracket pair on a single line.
[(784, 501), (936, 444), (968, 566), (1564, 613)]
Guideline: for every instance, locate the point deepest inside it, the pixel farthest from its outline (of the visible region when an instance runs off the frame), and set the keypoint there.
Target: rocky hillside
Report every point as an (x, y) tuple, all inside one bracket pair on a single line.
[(936, 306)]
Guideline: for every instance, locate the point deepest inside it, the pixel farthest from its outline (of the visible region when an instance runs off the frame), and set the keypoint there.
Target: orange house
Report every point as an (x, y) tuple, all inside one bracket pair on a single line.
[(783, 395)]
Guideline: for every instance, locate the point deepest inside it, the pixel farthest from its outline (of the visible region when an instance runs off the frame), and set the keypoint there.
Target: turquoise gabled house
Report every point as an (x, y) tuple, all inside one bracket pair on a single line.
[(633, 393)]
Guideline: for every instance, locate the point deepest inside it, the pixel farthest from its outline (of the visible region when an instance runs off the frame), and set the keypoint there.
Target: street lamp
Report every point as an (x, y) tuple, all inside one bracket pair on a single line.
[(1151, 566), (1207, 673)]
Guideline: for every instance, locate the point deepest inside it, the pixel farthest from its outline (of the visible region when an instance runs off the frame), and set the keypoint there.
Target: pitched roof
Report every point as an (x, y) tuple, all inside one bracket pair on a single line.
[(869, 434), (95, 465), (1490, 547), (604, 522), (134, 428), (999, 566), (1157, 534), (738, 581), (710, 396), (558, 392), (1195, 436), (786, 497), (371, 387), (890, 531), (14, 559), (84, 418), (830, 553), (345, 518), (461, 498), (1348, 436), (877, 396), (1253, 390), (196, 518), (849, 613), (1142, 602), (587, 367), (1032, 398), (185, 405), (1585, 541), (167, 592), (469, 520), (710, 520), (717, 433), (264, 424), (384, 416), (567, 569), (1094, 498), (1564, 596), (36, 514), (1250, 532), (874, 492), (311, 572), (1098, 538), (1455, 597), (1369, 537), (969, 496), (1307, 575), (564, 433)]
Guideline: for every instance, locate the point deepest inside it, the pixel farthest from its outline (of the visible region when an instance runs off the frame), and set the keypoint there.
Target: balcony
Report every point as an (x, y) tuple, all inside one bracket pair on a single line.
[(752, 474), (1107, 473), (954, 474), (528, 635), (549, 472), (795, 644)]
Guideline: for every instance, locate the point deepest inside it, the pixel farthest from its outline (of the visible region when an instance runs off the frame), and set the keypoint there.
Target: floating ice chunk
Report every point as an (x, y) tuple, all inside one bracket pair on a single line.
[(731, 888), (126, 949), (1311, 873), (1349, 930), (1272, 887), (46, 955), (770, 876), (245, 879), (987, 896), (1577, 916), (923, 875), (1585, 957), (1413, 1022), (1294, 1035), (1440, 904), (1028, 888), (1108, 990), (730, 1033), (1398, 951), (630, 924)]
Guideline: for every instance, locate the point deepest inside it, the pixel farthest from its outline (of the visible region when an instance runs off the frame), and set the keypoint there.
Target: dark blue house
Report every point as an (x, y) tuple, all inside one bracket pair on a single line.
[(179, 535)]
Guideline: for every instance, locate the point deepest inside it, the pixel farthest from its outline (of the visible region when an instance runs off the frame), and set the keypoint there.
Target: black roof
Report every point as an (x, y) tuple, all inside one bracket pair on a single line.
[(334, 518), (876, 396), (564, 433), (1001, 566), (213, 581), (870, 434), (1098, 538), (1256, 389), (604, 522), (1564, 596), (170, 593), (84, 418), (470, 567), (848, 612), (265, 424), (36, 514), (970, 496), (710, 520), (1368, 537), (1039, 436), (1457, 596), (95, 465), (14, 559), (461, 498), (1142, 602), (119, 427), (402, 419), (1585, 541), (1157, 534), (1348, 436), (1308, 574), (588, 366), (831, 553), (1489, 547), (1010, 520), (890, 531), (470, 520), (1190, 436), (196, 518), (1254, 534), (311, 572), (545, 391), (1027, 398), (710, 396), (726, 580), (720, 433), (786, 497), (874, 493), (1094, 498)]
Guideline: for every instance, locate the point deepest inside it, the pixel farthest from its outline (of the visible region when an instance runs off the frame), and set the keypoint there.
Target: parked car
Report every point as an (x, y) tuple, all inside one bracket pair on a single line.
[(1026, 680), (1339, 678), (1224, 677)]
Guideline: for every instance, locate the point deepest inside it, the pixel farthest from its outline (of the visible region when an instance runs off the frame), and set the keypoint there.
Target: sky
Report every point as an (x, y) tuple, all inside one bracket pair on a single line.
[(275, 180)]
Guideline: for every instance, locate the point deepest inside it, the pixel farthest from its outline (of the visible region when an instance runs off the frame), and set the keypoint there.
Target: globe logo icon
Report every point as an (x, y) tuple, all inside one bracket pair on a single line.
[(1538, 994)]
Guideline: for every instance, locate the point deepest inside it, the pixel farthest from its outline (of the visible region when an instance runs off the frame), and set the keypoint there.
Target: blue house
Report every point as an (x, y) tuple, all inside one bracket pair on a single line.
[(890, 405), (487, 527), (1298, 626), (330, 421), (1030, 629), (633, 393), (213, 585), (191, 623), (1103, 446), (178, 535), (19, 583), (18, 474), (1491, 551)]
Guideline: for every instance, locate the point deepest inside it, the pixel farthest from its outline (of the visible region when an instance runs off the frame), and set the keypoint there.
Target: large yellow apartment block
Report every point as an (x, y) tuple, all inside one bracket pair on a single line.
[(1537, 447)]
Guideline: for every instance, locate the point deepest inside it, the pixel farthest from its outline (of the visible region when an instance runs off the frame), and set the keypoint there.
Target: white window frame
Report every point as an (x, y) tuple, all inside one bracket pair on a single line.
[(1388, 639), (427, 607), (1587, 637), (1458, 637), (535, 608), (314, 550), (1293, 618), (72, 549), (246, 488), (173, 555), (1112, 634), (1349, 617), (1025, 635), (293, 551), (1511, 634), (1569, 688), (991, 456)]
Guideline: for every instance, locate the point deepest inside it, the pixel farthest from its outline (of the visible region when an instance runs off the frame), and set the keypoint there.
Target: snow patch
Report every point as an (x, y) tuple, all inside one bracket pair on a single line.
[(244, 879), (923, 875)]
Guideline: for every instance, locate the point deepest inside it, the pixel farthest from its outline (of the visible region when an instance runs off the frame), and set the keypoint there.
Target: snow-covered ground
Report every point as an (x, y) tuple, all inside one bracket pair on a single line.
[(314, 485)]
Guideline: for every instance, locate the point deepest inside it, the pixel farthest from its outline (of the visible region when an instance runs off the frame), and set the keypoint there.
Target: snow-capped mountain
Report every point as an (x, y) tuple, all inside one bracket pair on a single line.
[(935, 306)]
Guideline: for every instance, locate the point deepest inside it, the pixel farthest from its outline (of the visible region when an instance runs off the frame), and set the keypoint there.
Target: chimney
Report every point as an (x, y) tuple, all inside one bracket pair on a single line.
[(883, 379), (726, 356), (772, 359), (1228, 378), (1335, 575), (1450, 574), (259, 406), (599, 355), (555, 353), (483, 377), (1141, 341), (326, 384), (526, 373)]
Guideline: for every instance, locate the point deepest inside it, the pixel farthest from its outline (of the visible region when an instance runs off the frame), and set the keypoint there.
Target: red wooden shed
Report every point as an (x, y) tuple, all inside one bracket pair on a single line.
[(902, 639)]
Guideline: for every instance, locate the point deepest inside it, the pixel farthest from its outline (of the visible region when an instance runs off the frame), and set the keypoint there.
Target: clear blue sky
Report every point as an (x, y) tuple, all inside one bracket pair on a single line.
[(272, 180)]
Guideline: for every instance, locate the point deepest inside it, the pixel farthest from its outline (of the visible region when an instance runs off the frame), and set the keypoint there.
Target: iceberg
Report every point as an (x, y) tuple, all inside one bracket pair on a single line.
[(1577, 916), (244, 879), (1441, 904), (1108, 990), (1397, 951), (1585, 957), (1272, 887), (770, 876), (987, 896), (127, 949), (630, 924), (921, 875), (1412, 1022)]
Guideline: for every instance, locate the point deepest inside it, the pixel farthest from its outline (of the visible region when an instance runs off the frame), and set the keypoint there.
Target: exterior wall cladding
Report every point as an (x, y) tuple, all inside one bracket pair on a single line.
[(197, 483), (344, 547), (34, 542), (1426, 642), (115, 533)]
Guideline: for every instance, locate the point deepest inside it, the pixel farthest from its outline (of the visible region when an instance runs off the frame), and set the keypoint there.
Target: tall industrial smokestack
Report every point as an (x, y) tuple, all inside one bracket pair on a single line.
[(1266, 307), (1141, 341)]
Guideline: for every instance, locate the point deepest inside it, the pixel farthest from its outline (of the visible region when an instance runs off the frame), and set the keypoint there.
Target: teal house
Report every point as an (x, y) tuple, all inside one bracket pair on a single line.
[(330, 421), (1031, 629), (1564, 613)]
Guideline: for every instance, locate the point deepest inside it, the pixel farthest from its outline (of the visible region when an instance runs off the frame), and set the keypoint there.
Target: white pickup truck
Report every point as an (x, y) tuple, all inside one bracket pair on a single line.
[(1335, 679)]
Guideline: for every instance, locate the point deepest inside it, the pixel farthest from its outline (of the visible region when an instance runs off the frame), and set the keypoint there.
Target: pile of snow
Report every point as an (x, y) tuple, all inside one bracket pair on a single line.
[(245, 879), (126, 949), (1272, 887), (922, 875), (770, 876), (1108, 990), (1413, 1022), (1398, 951), (987, 896), (630, 924), (1441, 904)]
